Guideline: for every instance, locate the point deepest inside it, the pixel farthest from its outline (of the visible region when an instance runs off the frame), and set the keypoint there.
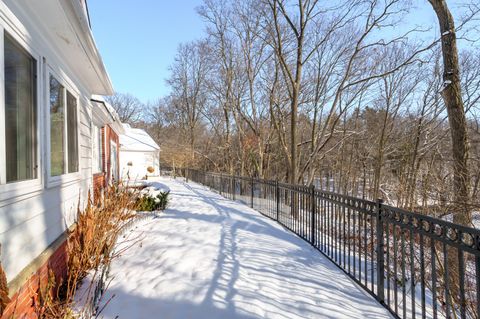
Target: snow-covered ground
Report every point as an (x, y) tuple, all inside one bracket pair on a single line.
[(209, 257)]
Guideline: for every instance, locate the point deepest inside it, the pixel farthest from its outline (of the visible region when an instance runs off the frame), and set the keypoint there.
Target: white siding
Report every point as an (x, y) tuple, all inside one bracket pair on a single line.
[(31, 221), (140, 162)]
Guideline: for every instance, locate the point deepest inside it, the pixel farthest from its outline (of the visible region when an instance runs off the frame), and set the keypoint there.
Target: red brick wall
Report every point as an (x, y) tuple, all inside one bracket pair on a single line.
[(100, 180), (23, 301), (98, 183), (108, 135)]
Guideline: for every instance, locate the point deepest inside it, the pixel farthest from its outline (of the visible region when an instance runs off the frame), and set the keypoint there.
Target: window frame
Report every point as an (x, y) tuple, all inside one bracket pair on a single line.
[(20, 188), (66, 178), (96, 170)]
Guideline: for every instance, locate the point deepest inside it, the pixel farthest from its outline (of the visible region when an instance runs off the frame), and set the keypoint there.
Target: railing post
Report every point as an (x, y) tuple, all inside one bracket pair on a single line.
[(379, 252), (277, 198), (187, 170), (312, 199), (251, 191), (233, 187), (220, 187)]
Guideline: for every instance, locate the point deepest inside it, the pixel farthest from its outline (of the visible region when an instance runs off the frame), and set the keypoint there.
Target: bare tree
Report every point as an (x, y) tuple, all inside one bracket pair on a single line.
[(452, 95), (188, 76), (128, 107)]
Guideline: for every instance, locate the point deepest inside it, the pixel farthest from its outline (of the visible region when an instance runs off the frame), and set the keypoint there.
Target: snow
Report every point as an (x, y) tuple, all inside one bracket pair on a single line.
[(136, 139), (154, 188), (476, 219), (209, 257)]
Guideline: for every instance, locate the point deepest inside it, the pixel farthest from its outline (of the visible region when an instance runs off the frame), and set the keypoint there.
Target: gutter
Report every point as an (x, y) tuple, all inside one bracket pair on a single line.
[(106, 108), (88, 14)]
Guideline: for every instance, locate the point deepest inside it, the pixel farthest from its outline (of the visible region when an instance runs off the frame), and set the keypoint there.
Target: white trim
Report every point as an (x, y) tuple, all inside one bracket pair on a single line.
[(114, 170), (3, 155), (96, 147), (19, 188), (66, 178)]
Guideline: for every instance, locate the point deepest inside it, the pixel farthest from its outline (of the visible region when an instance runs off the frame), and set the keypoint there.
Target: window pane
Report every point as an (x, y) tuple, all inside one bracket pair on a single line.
[(57, 128), (72, 133), (20, 112)]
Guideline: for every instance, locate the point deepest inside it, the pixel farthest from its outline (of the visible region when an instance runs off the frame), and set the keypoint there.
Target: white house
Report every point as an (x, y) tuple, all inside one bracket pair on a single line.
[(138, 153), (49, 68)]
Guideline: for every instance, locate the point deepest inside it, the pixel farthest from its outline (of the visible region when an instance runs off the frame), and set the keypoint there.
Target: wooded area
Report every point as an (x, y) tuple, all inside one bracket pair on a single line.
[(346, 96)]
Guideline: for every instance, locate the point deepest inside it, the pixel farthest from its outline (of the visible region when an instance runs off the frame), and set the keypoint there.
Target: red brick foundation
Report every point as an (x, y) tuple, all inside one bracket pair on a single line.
[(98, 184), (24, 300)]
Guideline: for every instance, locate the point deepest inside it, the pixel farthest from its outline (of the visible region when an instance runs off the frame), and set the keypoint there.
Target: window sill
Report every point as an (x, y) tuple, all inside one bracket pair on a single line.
[(19, 189), (63, 180)]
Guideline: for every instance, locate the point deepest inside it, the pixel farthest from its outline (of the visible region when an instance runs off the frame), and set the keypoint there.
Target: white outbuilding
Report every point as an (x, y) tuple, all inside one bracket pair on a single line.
[(139, 154)]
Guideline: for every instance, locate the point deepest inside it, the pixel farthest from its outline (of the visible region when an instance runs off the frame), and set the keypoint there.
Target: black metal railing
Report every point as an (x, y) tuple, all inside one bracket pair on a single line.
[(415, 265)]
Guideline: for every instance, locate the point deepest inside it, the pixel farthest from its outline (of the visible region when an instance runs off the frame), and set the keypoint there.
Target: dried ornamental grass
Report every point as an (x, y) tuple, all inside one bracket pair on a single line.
[(4, 299), (89, 247)]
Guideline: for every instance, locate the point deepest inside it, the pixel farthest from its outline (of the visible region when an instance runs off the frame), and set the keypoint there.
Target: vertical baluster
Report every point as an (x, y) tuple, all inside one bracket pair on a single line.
[(359, 247), (477, 272), (434, 275), (335, 229), (323, 212), (344, 236), (372, 252), (395, 259), (303, 220), (365, 248), (251, 191), (404, 286), (354, 232), (313, 214), (412, 271), (348, 238), (461, 275), (380, 255), (332, 233), (422, 274), (446, 281), (387, 236)]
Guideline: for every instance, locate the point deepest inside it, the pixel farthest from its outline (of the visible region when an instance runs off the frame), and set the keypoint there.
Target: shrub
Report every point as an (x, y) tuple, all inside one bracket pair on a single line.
[(150, 203)]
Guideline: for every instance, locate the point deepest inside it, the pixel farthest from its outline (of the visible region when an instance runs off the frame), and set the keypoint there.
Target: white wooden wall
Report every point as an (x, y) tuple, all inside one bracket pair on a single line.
[(32, 219)]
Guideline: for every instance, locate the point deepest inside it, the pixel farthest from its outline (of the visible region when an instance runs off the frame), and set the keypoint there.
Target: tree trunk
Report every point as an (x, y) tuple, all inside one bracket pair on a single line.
[(456, 113)]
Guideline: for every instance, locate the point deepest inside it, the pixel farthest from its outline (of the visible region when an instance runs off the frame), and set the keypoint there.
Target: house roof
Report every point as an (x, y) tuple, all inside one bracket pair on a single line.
[(137, 140), (104, 113)]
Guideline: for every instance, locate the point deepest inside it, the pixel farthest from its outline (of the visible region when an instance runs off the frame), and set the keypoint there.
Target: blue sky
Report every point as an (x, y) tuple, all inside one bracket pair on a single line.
[(138, 40)]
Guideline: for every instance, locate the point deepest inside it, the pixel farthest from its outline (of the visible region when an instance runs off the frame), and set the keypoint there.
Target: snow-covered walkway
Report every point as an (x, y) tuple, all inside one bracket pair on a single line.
[(209, 257)]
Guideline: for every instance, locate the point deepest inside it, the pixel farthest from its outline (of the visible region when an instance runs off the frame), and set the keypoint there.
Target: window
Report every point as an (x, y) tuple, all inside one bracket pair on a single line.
[(20, 112), (63, 130), (113, 161), (57, 128), (72, 133), (97, 149)]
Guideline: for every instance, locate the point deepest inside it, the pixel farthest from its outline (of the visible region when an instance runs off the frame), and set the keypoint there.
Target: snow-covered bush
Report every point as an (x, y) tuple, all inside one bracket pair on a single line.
[(150, 203)]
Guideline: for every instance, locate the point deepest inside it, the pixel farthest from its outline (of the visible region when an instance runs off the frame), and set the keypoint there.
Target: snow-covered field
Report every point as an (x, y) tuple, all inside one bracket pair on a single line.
[(209, 257)]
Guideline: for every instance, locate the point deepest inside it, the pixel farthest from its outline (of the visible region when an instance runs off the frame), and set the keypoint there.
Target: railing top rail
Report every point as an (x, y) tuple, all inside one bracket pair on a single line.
[(451, 233)]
